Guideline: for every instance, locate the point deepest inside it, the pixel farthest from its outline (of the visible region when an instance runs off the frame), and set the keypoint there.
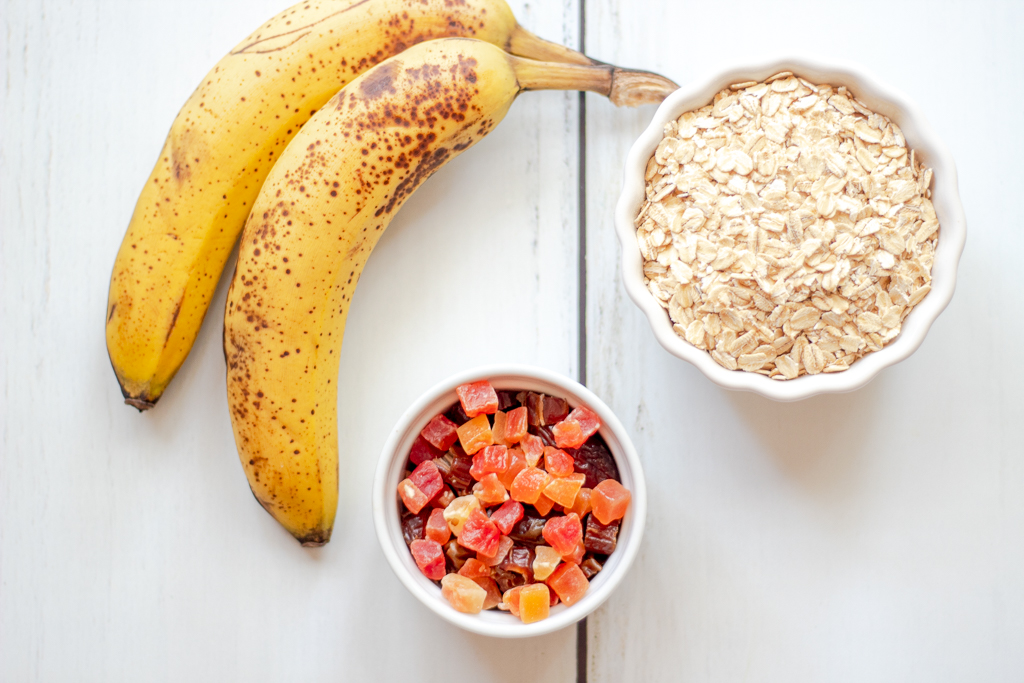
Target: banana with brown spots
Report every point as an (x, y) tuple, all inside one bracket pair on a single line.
[(223, 143), (322, 209)]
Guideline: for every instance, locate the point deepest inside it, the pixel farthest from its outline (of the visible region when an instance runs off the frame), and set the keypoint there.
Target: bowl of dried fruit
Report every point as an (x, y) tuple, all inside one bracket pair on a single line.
[(790, 228), (510, 501)]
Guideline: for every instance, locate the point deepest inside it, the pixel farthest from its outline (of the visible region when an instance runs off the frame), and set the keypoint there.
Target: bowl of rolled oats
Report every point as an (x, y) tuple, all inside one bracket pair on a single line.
[(790, 228)]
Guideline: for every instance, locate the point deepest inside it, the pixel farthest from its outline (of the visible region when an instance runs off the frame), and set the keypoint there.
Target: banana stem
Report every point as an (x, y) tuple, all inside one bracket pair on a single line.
[(526, 44), (624, 87)]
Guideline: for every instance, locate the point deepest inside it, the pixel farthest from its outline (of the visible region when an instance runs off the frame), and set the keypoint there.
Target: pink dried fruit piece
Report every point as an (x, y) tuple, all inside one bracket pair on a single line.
[(609, 501), (477, 398), (440, 433), (429, 558), (480, 534)]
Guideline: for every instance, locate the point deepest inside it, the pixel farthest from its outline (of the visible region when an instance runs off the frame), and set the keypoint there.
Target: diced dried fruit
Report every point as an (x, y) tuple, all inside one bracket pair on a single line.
[(490, 459), (474, 568), (508, 579), (427, 479), (601, 538), (528, 485), (477, 398), (422, 451), (555, 410), (595, 460), (506, 517), (568, 434), (544, 504), (459, 511), (465, 595), (507, 400), (511, 600), (475, 434), (440, 433), (489, 491), (569, 582), (534, 404), (533, 448), (479, 533), (590, 567), (545, 561), (557, 463), (437, 528), (516, 464), (498, 428), (429, 558), (534, 603), (493, 598), (443, 500), (519, 560), (455, 467), (609, 500), (545, 434), (576, 556), (581, 506), (516, 425), (504, 546), (529, 529), (456, 414), (457, 554), (587, 419), (563, 490), (563, 533), (413, 526), (412, 497)]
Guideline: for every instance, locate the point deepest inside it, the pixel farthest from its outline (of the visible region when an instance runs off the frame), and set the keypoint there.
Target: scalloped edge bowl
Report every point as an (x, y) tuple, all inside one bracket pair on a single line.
[(945, 197), (391, 467)]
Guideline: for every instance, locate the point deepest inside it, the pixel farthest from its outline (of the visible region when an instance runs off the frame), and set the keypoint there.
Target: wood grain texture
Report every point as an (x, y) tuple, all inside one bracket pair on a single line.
[(130, 546), (873, 536)]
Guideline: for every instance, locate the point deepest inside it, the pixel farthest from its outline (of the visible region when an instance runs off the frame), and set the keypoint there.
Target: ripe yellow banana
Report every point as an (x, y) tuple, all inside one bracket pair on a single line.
[(223, 143), (322, 209)]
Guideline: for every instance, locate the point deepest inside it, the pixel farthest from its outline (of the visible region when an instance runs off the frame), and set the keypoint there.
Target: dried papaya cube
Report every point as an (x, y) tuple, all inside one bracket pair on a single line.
[(507, 515), (459, 511), (437, 528), (563, 533), (511, 600), (474, 568), (440, 433), (528, 485), (491, 459), (557, 463), (493, 598), (609, 501), (489, 491), (479, 533), (587, 419), (569, 582), (576, 556), (427, 479), (516, 425), (545, 561), (475, 434), (422, 451), (465, 595), (568, 434), (544, 505), (429, 558), (601, 538), (581, 506), (444, 499), (533, 448), (504, 546), (563, 490), (516, 464), (412, 497), (534, 603), (498, 428), (477, 398)]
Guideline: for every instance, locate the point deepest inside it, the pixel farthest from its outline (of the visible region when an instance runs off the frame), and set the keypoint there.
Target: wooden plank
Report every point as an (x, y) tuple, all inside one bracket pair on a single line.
[(130, 546), (874, 536)]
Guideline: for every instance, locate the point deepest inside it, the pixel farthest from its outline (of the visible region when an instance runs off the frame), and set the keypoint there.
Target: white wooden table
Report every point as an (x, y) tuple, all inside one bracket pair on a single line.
[(874, 536)]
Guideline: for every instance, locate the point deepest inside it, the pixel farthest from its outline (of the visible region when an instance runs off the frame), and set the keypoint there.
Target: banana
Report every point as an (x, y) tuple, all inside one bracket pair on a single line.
[(322, 209), (223, 143)]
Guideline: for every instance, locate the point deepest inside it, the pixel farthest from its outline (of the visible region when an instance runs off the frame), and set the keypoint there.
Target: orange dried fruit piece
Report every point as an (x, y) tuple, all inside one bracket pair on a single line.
[(437, 528), (474, 568), (533, 448), (569, 583), (576, 556), (563, 533), (475, 434), (511, 600), (413, 499), (464, 594), (490, 459), (479, 534), (557, 462), (516, 464), (544, 505), (489, 491), (568, 434), (563, 490), (459, 511), (493, 597), (504, 545), (516, 425), (534, 603), (498, 428), (609, 501), (477, 398), (528, 485), (545, 560), (581, 506)]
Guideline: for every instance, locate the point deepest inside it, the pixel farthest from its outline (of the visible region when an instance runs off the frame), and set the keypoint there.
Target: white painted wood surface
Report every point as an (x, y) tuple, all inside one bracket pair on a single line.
[(874, 536), (131, 547)]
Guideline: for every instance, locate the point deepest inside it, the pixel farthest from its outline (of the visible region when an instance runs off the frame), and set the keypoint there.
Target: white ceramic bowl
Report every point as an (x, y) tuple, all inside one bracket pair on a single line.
[(945, 197), (391, 468)]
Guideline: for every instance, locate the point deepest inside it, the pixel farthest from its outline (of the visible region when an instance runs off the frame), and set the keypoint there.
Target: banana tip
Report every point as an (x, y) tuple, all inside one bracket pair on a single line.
[(140, 403), (315, 539)]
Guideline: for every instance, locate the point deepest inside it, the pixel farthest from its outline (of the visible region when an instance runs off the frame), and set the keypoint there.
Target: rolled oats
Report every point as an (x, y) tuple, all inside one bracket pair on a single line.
[(786, 228)]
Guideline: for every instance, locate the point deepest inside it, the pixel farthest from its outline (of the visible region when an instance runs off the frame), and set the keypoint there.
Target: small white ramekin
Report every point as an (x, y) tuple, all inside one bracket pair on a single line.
[(391, 468), (945, 197)]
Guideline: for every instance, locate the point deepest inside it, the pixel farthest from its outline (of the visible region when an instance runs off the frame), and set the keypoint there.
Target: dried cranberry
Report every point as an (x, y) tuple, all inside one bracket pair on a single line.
[(594, 460), (601, 538)]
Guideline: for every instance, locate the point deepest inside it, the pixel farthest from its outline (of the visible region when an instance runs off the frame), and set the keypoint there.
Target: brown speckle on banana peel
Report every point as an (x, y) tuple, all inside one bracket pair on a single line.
[(319, 215), (226, 138)]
